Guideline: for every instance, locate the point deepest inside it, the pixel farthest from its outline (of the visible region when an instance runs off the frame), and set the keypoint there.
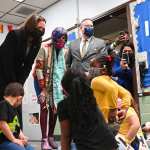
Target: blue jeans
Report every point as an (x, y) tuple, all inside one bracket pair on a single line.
[(12, 146), (73, 146)]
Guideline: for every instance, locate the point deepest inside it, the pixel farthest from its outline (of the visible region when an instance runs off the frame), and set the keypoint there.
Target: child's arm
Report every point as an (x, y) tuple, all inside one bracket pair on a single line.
[(65, 135), (8, 133), (134, 127)]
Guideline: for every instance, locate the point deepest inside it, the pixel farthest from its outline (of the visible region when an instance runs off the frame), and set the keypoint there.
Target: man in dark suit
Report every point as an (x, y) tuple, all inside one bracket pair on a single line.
[(83, 50), (18, 51)]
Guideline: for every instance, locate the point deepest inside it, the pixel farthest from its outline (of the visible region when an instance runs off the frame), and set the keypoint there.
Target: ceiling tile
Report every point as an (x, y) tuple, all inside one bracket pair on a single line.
[(25, 10), (12, 19), (17, 12), (6, 5), (40, 3)]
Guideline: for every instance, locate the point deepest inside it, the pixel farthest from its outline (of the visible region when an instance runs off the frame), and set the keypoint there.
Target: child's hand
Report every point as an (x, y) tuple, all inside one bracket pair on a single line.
[(122, 114), (25, 140), (19, 142)]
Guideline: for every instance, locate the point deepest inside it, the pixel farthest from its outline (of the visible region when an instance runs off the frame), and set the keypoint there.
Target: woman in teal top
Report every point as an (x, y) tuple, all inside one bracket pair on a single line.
[(49, 70)]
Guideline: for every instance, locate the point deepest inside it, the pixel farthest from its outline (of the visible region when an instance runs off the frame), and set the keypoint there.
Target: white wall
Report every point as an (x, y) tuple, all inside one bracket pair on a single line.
[(93, 8), (64, 13), (5, 31)]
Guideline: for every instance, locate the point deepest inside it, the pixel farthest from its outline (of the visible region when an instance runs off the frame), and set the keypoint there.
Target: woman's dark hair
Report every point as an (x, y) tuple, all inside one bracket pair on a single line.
[(80, 101), (31, 23), (14, 89)]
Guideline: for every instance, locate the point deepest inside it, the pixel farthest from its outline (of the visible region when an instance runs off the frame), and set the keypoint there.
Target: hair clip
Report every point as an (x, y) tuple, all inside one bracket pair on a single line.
[(109, 58)]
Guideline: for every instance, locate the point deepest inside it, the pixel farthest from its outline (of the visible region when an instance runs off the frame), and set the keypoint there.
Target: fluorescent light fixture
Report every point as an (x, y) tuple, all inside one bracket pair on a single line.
[(20, 1)]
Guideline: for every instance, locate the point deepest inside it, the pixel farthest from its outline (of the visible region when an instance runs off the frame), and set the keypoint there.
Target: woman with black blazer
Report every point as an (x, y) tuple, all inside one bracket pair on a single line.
[(18, 51)]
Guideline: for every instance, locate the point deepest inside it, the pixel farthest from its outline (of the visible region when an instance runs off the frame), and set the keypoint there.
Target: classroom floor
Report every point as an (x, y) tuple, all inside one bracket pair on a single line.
[(37, 145)]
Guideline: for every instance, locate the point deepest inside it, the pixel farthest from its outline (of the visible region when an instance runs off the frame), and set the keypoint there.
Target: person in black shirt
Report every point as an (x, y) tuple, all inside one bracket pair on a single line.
[(11, 136), (80, 119)]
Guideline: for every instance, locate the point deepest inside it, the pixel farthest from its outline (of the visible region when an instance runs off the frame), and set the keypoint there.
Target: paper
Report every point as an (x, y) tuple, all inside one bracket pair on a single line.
[(146, 28)]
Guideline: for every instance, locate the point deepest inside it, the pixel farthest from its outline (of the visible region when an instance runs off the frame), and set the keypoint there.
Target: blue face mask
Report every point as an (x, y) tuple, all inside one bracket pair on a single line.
[(88, 31)]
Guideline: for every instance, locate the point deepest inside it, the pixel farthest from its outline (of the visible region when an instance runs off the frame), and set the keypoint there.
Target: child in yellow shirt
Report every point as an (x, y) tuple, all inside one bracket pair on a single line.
[(107, 91)]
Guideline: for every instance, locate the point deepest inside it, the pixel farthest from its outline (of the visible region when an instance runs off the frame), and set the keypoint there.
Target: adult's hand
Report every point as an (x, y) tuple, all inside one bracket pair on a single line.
[(124, 64)]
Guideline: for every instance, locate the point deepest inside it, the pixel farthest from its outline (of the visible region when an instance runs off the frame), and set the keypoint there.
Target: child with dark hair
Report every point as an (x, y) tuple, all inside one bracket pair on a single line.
[(80, 119), (11, 136)]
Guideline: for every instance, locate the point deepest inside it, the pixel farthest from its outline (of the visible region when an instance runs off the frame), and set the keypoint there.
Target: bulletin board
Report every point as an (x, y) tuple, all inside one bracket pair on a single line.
[(142, 15)]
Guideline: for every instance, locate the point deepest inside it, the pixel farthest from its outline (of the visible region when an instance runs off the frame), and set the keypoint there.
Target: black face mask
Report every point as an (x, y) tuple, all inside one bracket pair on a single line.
[(37, 33)]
